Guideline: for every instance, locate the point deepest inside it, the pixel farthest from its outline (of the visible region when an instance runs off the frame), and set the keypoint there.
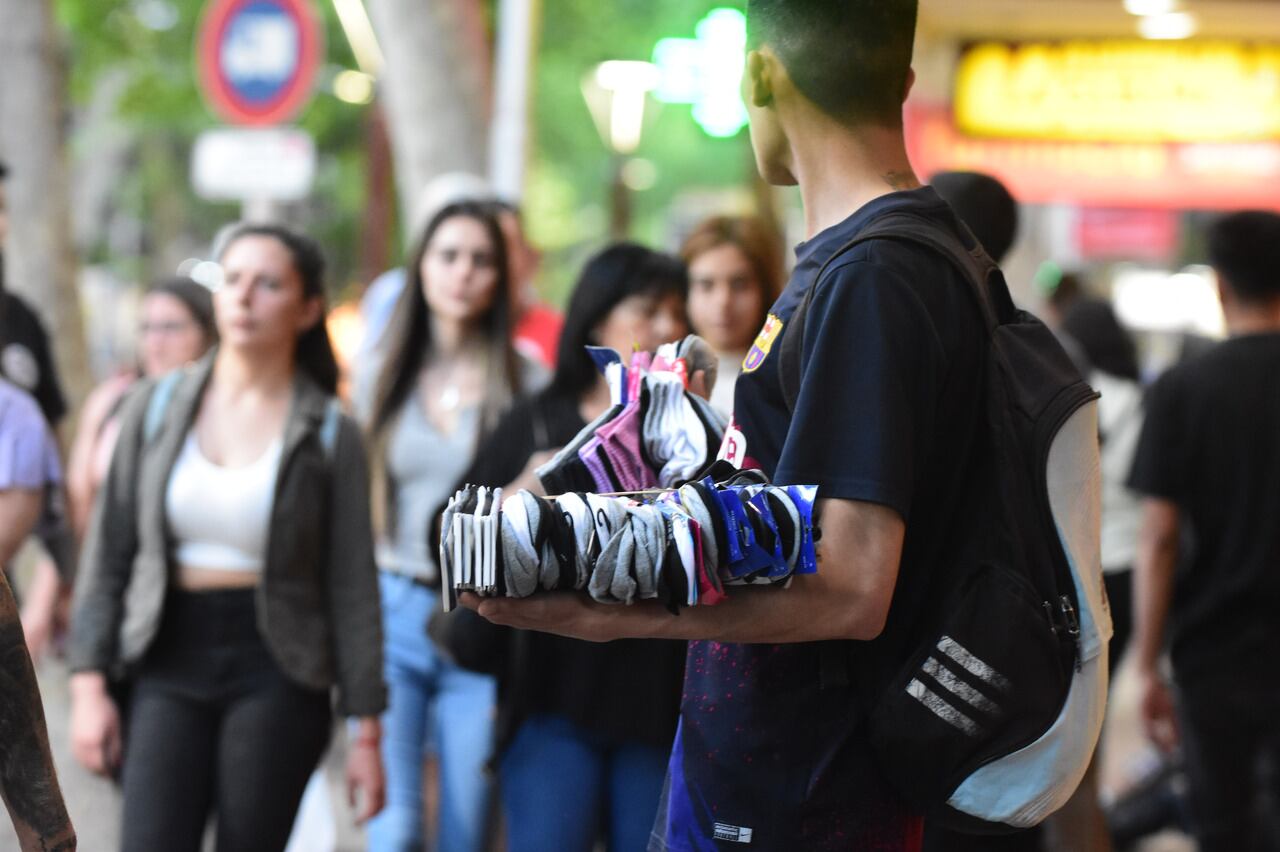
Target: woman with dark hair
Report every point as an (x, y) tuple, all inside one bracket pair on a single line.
[(229, 570), (447, 372), (734, 276), (176, 328), (584, 730)]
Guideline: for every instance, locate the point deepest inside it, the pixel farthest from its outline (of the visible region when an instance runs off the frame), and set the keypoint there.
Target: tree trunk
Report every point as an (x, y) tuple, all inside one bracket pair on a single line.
[(40, 260), (434, 89)]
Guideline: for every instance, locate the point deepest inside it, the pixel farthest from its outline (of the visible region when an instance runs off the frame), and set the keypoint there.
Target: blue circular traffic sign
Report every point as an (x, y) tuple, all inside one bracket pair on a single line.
[(258, 58)]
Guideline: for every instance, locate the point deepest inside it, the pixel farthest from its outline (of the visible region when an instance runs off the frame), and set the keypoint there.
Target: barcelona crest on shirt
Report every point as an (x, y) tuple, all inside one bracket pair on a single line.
[(764, 342)]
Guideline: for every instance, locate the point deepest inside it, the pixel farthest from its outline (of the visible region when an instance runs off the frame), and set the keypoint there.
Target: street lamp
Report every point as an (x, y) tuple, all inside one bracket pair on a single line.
[(615, 92)]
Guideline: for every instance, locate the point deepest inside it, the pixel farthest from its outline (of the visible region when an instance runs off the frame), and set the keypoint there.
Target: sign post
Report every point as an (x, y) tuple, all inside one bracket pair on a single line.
[(256, 66)]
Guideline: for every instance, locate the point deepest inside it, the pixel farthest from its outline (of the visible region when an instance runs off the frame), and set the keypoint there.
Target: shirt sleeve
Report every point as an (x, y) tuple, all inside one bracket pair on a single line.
[(872, 368), (28, 455), (1160, 462)]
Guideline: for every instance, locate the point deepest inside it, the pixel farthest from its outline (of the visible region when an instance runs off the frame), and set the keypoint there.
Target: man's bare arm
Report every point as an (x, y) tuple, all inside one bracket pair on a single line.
[(1153, 592), (848, 598), (28, 782)]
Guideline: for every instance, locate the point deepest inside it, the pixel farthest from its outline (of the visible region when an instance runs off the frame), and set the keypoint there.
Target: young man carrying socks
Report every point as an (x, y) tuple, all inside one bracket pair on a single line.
[(889, 402)]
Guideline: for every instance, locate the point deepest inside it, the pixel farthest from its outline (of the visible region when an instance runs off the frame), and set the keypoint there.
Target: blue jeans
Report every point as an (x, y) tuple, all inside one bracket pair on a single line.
[(431, 702), (559, 784)]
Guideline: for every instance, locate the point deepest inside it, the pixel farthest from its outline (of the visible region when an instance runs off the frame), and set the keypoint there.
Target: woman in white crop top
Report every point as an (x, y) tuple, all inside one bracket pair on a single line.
[(230, 706), (448, 371)]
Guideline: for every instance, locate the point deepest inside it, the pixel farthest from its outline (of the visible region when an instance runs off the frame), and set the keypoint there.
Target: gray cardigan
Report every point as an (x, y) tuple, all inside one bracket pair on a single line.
[(317, 604)]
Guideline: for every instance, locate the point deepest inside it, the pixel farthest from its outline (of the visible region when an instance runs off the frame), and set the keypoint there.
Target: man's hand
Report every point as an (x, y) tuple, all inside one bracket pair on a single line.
[(366, 783), (1158, 717), (564, 613)]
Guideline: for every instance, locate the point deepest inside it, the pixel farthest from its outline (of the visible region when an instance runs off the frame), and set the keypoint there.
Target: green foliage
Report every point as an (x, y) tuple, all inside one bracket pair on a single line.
[(569, 176), (162, 107), (568, 193)]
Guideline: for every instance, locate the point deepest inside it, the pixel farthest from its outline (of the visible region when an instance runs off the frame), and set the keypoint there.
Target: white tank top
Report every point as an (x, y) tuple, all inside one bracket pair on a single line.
[(220, 515)]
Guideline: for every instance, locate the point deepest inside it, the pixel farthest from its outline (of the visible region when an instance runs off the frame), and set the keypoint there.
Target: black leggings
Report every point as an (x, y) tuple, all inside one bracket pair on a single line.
[(215, 727)]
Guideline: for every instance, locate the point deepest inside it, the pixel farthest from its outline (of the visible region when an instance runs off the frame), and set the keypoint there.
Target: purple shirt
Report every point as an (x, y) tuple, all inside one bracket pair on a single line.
[(28, 454)]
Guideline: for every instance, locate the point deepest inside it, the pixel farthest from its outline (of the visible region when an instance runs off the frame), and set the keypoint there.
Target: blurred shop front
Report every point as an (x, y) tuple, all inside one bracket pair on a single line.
[(1119, 148)]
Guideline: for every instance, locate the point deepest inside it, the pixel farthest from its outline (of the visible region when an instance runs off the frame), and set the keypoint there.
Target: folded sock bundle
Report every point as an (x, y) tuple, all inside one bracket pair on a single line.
[(656, 434), (684, 547)]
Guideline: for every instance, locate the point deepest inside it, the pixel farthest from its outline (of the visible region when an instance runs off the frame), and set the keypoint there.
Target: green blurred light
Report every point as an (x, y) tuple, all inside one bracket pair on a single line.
[(706, 71)]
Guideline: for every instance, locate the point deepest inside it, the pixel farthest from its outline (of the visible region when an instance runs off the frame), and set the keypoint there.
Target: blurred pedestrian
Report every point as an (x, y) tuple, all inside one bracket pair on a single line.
[(26, 360), (447, 373), (177, 328), (735, 273), (984, 204), (28, 468), (26, 356), (1113, 359), (594, 719), (1208, 463), (536, 326), (229, 570)]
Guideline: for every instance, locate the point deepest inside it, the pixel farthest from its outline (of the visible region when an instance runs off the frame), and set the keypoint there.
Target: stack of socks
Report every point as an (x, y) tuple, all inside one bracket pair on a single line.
[(683, 547), (656, 434)]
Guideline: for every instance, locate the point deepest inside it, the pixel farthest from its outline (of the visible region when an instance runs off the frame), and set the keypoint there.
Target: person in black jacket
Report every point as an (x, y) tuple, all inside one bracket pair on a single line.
[(584, 729)]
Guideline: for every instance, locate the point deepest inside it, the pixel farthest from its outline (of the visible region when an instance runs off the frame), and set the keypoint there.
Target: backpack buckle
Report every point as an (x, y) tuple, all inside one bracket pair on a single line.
[(1073, 628), (1069, 615)]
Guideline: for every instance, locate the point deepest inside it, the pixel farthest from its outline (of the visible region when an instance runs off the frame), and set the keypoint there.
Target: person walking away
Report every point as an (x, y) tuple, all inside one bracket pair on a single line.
[(1207, 465), (229, 572)]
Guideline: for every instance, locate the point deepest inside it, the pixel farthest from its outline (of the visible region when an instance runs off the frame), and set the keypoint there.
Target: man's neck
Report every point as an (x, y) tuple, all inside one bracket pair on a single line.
[(839, 171), (1262, 319)]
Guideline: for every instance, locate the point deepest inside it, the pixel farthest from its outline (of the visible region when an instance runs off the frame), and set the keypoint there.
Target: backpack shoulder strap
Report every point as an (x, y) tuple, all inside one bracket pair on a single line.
[(158, 404), (975, 266), (329, 427)]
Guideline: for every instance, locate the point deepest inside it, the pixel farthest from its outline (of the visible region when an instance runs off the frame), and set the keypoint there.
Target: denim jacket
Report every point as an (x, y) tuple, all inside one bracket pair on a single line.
[(317, 604)]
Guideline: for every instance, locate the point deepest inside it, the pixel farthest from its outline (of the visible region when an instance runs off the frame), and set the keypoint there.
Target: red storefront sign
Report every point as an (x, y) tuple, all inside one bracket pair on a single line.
[(1186, 176)]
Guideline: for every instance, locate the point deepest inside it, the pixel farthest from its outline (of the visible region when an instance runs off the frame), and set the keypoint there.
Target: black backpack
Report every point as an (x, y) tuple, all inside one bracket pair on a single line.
[(986, 717)]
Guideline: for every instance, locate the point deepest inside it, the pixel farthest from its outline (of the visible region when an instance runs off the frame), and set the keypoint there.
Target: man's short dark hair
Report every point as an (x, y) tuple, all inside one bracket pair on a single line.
[(850, 57), (4, 170), (1245, 250), (982, 203)]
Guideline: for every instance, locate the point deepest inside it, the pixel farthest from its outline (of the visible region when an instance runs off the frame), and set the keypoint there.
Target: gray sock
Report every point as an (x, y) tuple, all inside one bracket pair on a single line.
[(610, 519), (579, 514), (520, 562), (649, 530), (623, 585)]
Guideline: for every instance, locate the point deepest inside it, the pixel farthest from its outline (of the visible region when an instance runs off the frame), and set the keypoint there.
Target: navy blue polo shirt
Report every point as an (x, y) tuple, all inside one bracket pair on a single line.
[(766, 756)]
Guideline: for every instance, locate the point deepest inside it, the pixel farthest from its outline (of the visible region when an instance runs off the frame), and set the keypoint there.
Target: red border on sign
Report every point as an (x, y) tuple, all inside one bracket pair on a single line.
[(221, 95)]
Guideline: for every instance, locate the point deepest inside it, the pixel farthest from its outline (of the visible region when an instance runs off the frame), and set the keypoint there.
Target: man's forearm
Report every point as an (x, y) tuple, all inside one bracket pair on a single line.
[(848, 598), (805, 612), (1153, 582), (28, 782)]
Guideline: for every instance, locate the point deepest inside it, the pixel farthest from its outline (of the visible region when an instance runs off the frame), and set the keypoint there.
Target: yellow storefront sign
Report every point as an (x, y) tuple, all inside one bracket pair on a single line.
[(1120, 91)]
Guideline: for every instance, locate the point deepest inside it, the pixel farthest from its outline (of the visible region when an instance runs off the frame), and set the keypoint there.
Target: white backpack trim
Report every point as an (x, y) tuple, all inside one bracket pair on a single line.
[(1027, 785)]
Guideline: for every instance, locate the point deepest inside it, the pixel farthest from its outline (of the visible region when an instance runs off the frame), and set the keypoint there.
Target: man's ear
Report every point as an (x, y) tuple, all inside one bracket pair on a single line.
[(760, 77)]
